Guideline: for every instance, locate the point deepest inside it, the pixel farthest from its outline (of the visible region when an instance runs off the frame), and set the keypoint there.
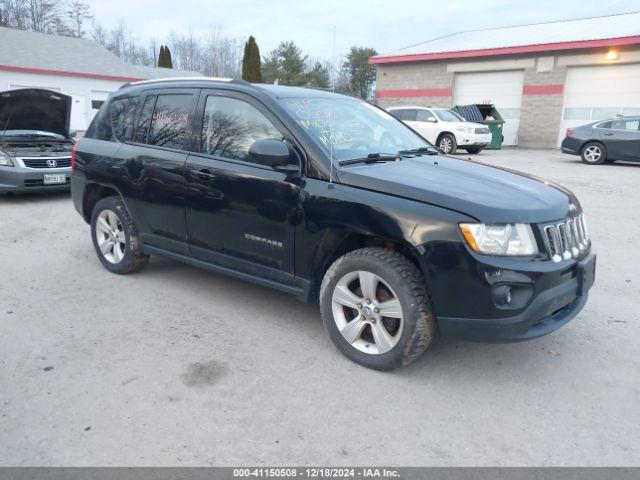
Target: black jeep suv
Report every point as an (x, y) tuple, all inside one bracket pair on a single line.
[(333, 200)]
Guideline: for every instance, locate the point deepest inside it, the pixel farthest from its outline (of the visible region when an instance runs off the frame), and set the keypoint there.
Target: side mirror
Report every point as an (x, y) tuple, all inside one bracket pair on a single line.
[(271, 152), (432, 119)]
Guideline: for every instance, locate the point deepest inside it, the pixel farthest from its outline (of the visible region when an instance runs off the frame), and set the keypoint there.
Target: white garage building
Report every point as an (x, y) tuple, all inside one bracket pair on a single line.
[(76, 67), (543, 78)]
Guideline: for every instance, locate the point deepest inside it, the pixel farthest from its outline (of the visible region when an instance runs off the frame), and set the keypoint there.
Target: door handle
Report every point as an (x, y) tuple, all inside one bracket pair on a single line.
[(205, 175), (608, 134)]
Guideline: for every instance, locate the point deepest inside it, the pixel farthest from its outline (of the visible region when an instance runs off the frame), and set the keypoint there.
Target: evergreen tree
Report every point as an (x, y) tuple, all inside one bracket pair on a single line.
[(164, 58), (286, 64), (361, 74), (251, 69), (161, 57), (169, 61), (318, 76)]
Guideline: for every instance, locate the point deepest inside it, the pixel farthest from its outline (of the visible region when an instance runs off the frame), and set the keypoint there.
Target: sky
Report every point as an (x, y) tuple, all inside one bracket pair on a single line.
[(384, 25)]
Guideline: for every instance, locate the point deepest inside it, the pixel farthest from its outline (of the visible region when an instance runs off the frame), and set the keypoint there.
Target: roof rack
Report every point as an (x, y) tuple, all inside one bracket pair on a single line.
[(173, 79)]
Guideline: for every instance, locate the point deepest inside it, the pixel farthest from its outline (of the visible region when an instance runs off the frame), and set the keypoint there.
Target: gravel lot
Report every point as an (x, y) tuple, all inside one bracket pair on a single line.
[(177, 366)]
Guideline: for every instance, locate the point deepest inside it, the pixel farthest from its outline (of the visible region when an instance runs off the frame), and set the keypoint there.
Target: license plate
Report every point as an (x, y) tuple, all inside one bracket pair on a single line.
[(586, 274), (54, 178)]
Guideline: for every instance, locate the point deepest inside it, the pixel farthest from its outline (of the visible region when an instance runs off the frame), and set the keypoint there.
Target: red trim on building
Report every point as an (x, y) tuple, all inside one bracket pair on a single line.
[(544, 47), (413, 93), (63, 73), (543, 89)]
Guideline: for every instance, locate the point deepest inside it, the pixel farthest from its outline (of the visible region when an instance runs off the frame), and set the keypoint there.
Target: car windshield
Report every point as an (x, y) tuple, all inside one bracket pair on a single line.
[(29, 133), (349, 129), (448, 116)]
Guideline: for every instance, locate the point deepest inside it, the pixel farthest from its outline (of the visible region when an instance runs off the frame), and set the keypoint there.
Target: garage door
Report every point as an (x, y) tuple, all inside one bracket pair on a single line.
[(596, 93), (503, 89)]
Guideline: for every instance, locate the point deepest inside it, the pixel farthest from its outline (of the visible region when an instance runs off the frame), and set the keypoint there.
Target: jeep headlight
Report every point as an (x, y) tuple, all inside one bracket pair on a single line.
[(500, 239), (465, 129), (5, 160)]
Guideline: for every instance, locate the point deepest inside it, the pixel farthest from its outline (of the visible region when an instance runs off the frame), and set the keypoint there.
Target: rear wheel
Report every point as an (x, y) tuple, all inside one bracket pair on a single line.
[(447, 143), (594, 153), (473, 150), (375, 307), (115, 237)]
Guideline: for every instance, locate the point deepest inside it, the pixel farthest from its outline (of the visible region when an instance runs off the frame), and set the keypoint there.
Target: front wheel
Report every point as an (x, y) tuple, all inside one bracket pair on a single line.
[(447, 143), (375, 308), (594, 153), (115, 237)]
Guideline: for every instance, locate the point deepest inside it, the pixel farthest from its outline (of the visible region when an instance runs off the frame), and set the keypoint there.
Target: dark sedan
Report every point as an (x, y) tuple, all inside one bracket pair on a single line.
[(605, 141)]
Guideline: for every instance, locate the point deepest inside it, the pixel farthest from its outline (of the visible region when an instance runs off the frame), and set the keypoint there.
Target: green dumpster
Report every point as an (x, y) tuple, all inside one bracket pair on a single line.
[(488, 115)]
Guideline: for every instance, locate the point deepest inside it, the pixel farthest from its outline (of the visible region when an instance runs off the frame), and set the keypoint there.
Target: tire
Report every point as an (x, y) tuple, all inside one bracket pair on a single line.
[(411, 326), (593, 153), (447, 143), (122, 248), (474, 150)]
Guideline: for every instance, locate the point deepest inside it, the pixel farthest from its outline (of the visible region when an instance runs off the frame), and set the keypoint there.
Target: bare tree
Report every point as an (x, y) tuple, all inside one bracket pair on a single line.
[(186, 52), (222, 56), (13, 14), (99, 34), (78, 13), (41, 15)]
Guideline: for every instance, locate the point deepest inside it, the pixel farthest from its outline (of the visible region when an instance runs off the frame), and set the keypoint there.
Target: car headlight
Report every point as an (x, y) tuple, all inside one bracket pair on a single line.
[(5, 160), (465, 129), (500, 239)]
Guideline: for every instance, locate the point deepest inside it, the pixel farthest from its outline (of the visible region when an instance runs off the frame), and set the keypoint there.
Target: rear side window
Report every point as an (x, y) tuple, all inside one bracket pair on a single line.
[(170, 121), (122, 113), (409, 115), (230, 126), (625, 125), (100, 127)]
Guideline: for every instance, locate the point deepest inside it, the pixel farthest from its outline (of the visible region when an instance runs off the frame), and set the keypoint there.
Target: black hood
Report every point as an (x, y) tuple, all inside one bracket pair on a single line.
[(489, 194), (35, 109)]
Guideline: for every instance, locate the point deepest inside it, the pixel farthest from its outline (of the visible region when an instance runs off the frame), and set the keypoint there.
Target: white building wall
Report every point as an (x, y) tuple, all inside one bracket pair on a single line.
[(82, 90)]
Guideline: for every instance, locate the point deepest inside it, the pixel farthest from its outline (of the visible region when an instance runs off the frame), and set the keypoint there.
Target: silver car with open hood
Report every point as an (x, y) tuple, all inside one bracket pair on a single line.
[(35, 142)]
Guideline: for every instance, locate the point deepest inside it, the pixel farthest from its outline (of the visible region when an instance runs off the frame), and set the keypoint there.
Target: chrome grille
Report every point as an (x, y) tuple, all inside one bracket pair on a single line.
[(566, 239), (482, 130), (43, 162)]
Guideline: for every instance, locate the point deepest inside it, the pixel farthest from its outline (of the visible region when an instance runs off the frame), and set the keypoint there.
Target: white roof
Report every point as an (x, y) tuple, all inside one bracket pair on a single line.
[(597, 28), (32, 51)]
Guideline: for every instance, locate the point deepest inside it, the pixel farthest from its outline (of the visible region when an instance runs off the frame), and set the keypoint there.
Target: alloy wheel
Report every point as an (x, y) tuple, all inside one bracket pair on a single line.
[(592, 153), (110, 235), (367, 312), (445, 145)]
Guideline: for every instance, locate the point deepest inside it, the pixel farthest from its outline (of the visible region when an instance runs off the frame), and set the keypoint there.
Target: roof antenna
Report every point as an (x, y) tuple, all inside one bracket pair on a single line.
[(330, 160), (333, 61)]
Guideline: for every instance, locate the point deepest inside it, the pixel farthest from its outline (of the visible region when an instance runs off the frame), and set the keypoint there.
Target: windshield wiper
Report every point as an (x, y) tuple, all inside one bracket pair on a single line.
[(420, 151), (372, 158)]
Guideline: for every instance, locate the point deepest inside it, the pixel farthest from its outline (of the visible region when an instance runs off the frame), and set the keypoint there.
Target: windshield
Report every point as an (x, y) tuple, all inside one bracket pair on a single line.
[(28, 133), (350, 129), (448, 116)]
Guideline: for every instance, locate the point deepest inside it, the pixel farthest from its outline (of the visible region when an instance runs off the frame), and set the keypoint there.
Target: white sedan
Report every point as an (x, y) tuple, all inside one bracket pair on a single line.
[(444, 128)]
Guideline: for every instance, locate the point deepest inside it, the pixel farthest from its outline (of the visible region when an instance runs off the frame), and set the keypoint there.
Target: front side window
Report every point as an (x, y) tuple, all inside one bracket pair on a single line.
[(121, 112), (230, 126), (170, 121), (426, 116), (347, 129)]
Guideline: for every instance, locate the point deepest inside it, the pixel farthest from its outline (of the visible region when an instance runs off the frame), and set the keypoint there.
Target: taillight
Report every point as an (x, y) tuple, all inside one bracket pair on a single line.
[(569, 133), (73, 156)]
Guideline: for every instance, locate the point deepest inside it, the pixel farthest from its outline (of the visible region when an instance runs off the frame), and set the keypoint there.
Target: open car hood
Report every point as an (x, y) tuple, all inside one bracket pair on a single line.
[(35, 109)]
